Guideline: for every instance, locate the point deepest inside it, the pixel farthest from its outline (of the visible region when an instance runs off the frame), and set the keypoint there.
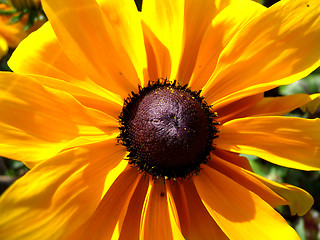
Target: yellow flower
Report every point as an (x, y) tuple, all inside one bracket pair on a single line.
[(60, 116)]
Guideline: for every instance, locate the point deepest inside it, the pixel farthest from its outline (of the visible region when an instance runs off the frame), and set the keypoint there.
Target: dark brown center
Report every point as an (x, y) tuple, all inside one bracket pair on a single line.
[(168, 130)]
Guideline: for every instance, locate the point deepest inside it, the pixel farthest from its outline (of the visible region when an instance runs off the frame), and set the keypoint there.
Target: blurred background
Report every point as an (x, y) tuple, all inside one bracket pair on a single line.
[(17, 20)]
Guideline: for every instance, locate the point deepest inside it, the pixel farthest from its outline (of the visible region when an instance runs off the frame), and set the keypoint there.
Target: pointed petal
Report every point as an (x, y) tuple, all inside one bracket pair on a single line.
[(313, 105), (38, 122), (240, 213), (158, 220), (196, 222), (241, 176), (218, 34), (277, 105), (257, 105), (58, 195), (279, 47), (103, 222), (94, 45), (286, 141), (299, 200)]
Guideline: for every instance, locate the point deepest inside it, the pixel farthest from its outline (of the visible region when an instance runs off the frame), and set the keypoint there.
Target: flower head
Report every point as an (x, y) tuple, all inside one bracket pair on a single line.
[(132, 122)]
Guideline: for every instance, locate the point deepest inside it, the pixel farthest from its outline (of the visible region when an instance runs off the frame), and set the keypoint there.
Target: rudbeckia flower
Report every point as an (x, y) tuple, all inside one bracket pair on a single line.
[(133, 123)]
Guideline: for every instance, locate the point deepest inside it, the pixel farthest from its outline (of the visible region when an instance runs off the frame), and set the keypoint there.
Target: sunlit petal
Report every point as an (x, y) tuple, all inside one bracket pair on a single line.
[(58, 195), (37, 122), (94, 45), (272, 106), (131, 223), (242, 177), (218, 34), (196, 222), (299, 200), (101, 225), (277, 48), (41, 54), (287, 141), (158, 222), (240, 213)]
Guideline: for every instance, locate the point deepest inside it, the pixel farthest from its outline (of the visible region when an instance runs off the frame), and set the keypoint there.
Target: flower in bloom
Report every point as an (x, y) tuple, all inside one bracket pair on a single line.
[(133, 123)]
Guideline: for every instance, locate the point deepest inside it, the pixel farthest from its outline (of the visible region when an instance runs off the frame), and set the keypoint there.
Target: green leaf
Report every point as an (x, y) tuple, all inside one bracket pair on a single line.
[(17, 18), (7, 12)]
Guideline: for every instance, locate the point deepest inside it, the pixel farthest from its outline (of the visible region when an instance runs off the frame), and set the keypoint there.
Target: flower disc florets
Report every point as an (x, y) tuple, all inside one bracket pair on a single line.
[(168, 130)]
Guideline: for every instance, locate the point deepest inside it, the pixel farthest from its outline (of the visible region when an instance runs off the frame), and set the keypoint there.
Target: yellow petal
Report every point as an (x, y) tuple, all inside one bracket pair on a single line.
[(218, 34), (240, 213), (242, 177), (313, 105), (87, 93), (233, 158), (163, 28), (41, 54), (103, 221), (299, 200), (272, 106), (3, 47), (230, 111), (88, 38), (157, 218), (174, 31), (126, 23), (286, 141), (58, 195), (278, 47), (131, 223), (173, 215), (197, 17), (278, 105), (37, 122), (159, 60), (196, 222)]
